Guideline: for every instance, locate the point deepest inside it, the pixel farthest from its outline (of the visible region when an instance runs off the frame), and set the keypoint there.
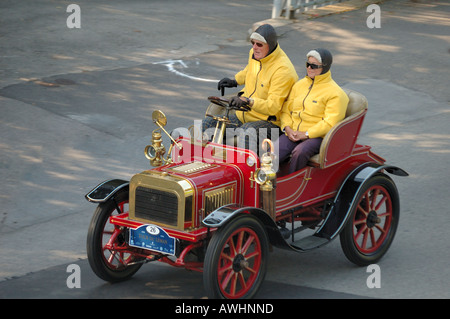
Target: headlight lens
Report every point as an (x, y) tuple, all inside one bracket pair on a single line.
[(261, 176), (150, 152)]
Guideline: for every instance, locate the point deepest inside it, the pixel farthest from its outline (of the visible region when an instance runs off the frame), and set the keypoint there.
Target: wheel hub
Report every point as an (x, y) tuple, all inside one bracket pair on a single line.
[(239, 263), (372, 219)]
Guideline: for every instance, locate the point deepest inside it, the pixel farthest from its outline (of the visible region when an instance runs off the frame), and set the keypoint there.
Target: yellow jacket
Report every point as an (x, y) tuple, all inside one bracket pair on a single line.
[(268, 82), (314, 106)]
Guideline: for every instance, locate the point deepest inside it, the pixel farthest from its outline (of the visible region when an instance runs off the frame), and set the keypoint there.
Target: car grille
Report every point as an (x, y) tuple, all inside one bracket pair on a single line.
[(220, 197), (156, 206)]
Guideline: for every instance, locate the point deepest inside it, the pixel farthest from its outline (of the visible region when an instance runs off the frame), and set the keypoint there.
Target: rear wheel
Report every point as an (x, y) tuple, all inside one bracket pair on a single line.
[(373, 223), (236, 259), (106, 245)]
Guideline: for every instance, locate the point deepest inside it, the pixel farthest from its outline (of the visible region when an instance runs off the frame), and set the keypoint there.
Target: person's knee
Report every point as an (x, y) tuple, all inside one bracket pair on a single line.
[(298, 151)]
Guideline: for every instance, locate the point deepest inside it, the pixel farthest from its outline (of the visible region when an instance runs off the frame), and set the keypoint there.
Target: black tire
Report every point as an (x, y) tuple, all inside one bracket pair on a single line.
[(108, 264), (236, 254), (373, 222)]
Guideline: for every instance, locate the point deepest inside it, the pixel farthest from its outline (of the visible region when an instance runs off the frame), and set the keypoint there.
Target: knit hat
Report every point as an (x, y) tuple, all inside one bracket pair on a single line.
[(323, 56), (266, 34)]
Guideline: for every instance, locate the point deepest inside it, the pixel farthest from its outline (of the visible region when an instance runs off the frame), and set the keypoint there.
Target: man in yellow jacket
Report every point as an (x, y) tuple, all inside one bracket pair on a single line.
[(315, 104), (268, 79)]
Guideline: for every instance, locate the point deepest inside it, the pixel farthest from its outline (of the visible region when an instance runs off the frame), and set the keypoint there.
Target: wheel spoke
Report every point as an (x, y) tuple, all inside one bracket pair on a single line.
[(252, 255), (381, 230), (240, 240), (242, 280), (372, 238), (373, 198), (234, 281), (226, 256), (253, 271), (365, 237), (361, 231), (366, 202), (111, 256), (381, 202), (385, 214), (360, 221), (247, 245), (226, 267), (227, 279), (233, 251), (362, 210)]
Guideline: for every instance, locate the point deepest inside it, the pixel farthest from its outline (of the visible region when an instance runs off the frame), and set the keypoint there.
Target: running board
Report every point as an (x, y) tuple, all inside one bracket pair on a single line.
[(310, 242)]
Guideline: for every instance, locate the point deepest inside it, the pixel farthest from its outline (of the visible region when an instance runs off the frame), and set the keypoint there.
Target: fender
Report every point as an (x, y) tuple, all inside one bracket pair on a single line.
[(105, 190), (344, 202), (224, 214)]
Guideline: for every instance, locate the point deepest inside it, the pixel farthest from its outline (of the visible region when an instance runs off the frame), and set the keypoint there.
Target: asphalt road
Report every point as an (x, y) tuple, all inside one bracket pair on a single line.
[(76, 106)]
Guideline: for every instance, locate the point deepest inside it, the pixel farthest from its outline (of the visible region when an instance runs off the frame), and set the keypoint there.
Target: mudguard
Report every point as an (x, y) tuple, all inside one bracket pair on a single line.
[(223, 214), (345, 199), (341, 209), (105, 190)]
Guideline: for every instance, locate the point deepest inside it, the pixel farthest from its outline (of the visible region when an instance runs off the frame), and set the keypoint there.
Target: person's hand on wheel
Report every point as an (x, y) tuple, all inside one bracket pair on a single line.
[(239, 102)]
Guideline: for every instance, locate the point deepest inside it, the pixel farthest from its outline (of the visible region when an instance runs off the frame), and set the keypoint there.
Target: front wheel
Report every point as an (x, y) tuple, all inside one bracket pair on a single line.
[(236, 259), (373, 222), (107, 246)]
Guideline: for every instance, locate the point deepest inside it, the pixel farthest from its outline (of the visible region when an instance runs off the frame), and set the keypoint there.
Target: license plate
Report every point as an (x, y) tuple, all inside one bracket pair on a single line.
[(153, 238)]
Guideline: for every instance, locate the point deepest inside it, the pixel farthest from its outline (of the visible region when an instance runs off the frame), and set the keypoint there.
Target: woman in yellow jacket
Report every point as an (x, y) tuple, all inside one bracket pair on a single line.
[(315, 104), (268, 79)]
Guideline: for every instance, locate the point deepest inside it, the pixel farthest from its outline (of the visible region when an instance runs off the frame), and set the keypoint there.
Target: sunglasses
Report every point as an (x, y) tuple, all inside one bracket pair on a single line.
[(258, 44), (313, 66)]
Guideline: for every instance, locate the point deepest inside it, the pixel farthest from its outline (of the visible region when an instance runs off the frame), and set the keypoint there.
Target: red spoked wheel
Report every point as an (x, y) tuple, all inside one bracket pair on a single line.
[(107, 247), (373, 222), (236, 259)]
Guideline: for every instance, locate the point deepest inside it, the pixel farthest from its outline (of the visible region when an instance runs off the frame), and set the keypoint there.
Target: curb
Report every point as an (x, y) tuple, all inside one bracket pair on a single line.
[(280, 23), (337, 8)]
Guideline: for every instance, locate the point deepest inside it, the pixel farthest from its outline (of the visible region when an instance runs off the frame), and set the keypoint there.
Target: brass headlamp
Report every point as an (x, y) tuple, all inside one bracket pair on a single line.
[(155, 151), (266, 177), (266, 174)]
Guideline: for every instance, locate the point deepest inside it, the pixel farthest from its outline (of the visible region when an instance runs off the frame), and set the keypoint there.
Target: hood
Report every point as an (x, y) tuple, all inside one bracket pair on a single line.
[(267, 34), (323, 56)]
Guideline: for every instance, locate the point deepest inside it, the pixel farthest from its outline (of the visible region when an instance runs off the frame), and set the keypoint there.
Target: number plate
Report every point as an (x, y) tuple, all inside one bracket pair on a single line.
[(153, 238)]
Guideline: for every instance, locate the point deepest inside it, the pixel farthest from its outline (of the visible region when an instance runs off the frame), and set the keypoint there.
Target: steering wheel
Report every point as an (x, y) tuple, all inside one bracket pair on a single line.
[(226, 103)]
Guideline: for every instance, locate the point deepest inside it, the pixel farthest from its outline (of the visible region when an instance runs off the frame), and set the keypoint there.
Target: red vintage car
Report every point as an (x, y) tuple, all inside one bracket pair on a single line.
[(216, 208)]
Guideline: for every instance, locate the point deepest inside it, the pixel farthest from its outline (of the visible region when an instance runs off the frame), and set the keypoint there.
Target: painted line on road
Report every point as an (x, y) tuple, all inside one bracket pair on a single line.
[(170, 64)]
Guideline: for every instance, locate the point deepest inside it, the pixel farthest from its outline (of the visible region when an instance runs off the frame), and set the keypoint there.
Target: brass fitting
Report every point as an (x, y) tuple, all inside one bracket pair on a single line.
[(156, 150)]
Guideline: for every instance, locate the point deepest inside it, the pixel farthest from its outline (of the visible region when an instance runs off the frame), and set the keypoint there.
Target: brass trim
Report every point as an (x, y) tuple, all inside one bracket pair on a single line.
[(216, 198), (162, 182), (190, 168)]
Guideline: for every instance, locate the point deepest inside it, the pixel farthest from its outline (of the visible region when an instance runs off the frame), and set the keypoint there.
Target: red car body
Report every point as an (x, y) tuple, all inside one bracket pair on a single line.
[(211, 203)]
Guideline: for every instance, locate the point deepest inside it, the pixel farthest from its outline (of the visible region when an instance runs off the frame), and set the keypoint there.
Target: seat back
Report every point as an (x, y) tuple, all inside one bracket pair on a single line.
[(338, 143), (356, 103)]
